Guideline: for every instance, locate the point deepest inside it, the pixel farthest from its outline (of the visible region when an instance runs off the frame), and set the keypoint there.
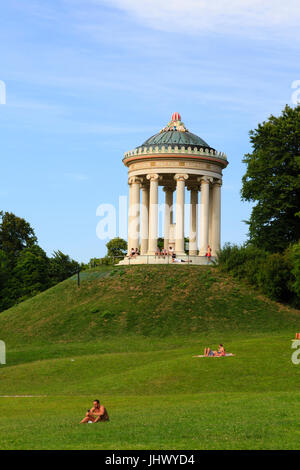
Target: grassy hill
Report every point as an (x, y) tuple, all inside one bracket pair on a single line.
[(144, 300), (128, 335)]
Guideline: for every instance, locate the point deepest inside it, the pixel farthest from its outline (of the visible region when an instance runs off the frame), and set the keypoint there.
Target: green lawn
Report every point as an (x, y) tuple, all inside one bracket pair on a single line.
[(128, 336), (190, 421), (158, 398)]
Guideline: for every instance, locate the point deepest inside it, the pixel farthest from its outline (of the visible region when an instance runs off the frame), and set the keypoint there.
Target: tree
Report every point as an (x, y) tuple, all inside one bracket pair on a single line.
[(31, 273), (272, 181), (116, 247), (25, 269), (62, 267), (296, 268), (15, 235), (4, 276)]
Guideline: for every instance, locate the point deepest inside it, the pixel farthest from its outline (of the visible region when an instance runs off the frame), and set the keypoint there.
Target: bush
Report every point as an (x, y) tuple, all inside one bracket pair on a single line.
[(241, 261), (275, 277), (273, 273)]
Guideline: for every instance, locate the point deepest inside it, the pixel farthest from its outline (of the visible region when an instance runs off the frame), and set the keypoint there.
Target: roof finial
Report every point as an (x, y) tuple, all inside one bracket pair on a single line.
[(176, 117)]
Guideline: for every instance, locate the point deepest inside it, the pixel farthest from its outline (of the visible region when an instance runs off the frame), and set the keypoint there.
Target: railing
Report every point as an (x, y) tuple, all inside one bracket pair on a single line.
[(175, 150)]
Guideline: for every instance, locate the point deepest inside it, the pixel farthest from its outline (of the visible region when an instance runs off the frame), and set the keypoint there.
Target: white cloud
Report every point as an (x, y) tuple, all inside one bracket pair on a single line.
[(196, 16), (77, 176)]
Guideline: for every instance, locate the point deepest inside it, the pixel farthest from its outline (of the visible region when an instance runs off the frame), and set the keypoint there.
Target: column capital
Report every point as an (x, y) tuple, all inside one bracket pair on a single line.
[(204, 180), (153, 177), (135, 179), (217, 183), (181, 177)]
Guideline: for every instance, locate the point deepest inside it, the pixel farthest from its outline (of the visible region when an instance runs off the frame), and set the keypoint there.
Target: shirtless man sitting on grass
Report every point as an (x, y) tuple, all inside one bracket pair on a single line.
[(96, 414)]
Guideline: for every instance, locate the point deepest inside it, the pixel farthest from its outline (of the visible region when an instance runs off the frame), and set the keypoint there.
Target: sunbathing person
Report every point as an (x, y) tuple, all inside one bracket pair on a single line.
[(96, 414), (220, 352)]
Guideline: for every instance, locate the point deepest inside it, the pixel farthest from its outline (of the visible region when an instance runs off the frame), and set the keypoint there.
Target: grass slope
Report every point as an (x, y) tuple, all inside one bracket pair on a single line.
[(144, 300), (128, 336)]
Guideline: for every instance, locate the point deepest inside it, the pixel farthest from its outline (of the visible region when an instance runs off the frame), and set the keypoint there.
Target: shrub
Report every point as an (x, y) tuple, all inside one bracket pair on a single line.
[(273, 273), (275, 277)]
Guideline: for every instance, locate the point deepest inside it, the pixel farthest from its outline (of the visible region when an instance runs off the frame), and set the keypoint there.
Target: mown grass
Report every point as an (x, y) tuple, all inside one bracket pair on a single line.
[(144, 300), (128, 337), (198, 421)]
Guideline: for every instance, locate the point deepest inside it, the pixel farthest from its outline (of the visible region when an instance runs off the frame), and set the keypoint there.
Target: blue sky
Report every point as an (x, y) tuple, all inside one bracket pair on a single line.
[(87, 80)]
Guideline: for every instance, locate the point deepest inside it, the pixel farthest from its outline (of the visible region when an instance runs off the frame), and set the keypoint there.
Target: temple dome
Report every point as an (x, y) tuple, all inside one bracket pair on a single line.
[(175, 134)]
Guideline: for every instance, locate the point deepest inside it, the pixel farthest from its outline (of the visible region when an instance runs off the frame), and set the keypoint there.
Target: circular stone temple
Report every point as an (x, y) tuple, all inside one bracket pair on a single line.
[(176, 159)]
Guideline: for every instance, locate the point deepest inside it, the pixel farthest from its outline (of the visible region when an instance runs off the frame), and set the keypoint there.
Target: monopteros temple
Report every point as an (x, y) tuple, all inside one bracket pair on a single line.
[(175, 159)]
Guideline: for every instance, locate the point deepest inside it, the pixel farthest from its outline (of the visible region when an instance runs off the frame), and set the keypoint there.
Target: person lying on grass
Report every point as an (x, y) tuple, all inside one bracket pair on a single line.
[(96, 414), (219, 353)]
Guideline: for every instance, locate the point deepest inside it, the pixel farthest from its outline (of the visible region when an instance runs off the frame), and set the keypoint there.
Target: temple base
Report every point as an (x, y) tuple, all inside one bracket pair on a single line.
[(184, 260)]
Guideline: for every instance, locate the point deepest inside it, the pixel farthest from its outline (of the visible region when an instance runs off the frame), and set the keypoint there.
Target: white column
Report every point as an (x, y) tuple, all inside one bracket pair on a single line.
[(168, 218), (144, 220), (204, 216), (193, 237), (210, 216), (216, 218), (153, 213), (179, 239), (130, 245), (134, 213)]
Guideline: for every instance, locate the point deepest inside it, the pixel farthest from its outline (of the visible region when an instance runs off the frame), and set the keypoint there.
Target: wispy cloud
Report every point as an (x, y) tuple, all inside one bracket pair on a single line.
[(77, 176), (198, 16)]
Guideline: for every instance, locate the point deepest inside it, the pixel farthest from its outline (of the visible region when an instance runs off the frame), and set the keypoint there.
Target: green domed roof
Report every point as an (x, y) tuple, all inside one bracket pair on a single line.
[(175, 133), (175, 138)]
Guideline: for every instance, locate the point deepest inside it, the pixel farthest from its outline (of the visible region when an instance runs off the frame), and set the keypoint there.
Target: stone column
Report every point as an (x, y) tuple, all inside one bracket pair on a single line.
[(210, 217), (153, 213), (134, 213), (193, 237), (204, 216), (168, 219), (179, 240), (216, 218), (145, 220), (129, 243)]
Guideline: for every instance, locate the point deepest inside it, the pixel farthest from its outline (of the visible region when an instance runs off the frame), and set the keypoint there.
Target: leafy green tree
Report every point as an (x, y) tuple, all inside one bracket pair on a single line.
[(116, 247), (296, 268), (15, 235), (31, 273), (25, 269), (4, 276), (272, 181), (62, 267), (160, 243)]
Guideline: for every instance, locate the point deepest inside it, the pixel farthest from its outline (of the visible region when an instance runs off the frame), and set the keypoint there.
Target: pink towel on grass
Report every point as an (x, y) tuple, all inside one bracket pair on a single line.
[(227, 354)]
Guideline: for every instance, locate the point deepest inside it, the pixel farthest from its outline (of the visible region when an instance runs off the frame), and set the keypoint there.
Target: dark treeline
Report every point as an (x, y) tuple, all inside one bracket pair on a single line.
[(25, 269), (270, 260)]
